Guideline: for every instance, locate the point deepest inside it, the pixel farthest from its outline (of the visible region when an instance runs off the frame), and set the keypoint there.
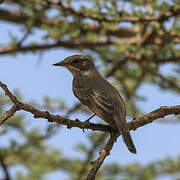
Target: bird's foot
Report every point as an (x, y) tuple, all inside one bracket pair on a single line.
[(87, 122)]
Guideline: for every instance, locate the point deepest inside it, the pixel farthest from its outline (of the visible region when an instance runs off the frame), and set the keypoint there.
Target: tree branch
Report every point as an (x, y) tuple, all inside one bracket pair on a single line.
[(102, 155), (138, 122), (104, 17), (20, 17), (67, 44), (53, 118), (89, 156)]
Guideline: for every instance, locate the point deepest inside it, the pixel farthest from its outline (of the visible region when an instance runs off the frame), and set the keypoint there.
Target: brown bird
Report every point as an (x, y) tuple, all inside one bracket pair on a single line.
[(94, 91)]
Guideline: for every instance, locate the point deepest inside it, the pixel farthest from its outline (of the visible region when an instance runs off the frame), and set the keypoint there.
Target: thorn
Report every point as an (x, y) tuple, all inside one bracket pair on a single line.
[(134, 118)]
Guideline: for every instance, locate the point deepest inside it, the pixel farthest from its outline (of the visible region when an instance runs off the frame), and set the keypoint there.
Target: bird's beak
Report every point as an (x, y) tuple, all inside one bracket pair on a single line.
[(61, 63)]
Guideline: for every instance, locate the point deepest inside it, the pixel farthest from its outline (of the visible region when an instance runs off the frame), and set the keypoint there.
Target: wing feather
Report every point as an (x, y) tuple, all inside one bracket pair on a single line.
[(94, 99)]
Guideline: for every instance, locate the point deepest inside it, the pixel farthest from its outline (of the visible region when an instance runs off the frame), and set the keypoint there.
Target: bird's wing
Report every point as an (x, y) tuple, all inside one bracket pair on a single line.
[(95, 99)]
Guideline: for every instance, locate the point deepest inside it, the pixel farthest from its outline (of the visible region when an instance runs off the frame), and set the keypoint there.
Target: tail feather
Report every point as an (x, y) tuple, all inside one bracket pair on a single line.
[(119, 117), (128, 141)]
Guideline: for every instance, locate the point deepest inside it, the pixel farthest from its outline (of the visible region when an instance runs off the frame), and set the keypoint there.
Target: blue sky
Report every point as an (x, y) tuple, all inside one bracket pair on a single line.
[(154, 141)]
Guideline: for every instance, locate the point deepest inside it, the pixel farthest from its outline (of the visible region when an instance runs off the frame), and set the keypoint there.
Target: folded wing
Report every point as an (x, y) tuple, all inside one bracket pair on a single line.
[(97, 101)]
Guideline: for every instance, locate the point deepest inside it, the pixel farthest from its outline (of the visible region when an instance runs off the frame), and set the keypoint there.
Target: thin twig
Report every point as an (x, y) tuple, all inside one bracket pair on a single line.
[(9, 113)]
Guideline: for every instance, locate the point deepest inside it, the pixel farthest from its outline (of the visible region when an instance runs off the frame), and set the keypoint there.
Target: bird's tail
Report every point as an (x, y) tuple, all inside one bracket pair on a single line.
[(128, 141), (121, 124)]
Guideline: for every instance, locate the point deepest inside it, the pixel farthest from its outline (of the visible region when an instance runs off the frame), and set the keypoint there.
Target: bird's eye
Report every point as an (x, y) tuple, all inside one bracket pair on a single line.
[(76, 61)]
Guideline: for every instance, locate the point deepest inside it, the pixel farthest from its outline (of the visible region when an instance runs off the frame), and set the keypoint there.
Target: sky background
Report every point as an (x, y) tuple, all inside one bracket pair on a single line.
[(34, 76)]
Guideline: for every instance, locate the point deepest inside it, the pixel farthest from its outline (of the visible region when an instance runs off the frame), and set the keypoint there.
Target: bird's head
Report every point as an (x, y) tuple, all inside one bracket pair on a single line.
[(77, 64)]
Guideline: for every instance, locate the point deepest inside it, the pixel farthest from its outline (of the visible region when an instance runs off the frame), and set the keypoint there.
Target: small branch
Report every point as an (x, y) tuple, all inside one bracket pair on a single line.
[(104, 17), (163, 79), (66, 44), (9, 113), (8, 93), (5, 168), (102, 155), (96, 165), (23, 38), (20, 17), (89, 156)]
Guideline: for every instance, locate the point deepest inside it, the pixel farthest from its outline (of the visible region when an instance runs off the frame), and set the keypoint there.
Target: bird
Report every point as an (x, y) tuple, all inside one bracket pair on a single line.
[(98, 94)]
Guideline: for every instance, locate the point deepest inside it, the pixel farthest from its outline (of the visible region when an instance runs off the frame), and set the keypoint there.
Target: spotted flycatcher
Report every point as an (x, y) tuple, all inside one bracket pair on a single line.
[(94, 91)]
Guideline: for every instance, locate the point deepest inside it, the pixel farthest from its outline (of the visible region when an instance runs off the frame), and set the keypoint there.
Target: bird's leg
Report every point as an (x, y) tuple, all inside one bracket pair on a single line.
[(87, 120)]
